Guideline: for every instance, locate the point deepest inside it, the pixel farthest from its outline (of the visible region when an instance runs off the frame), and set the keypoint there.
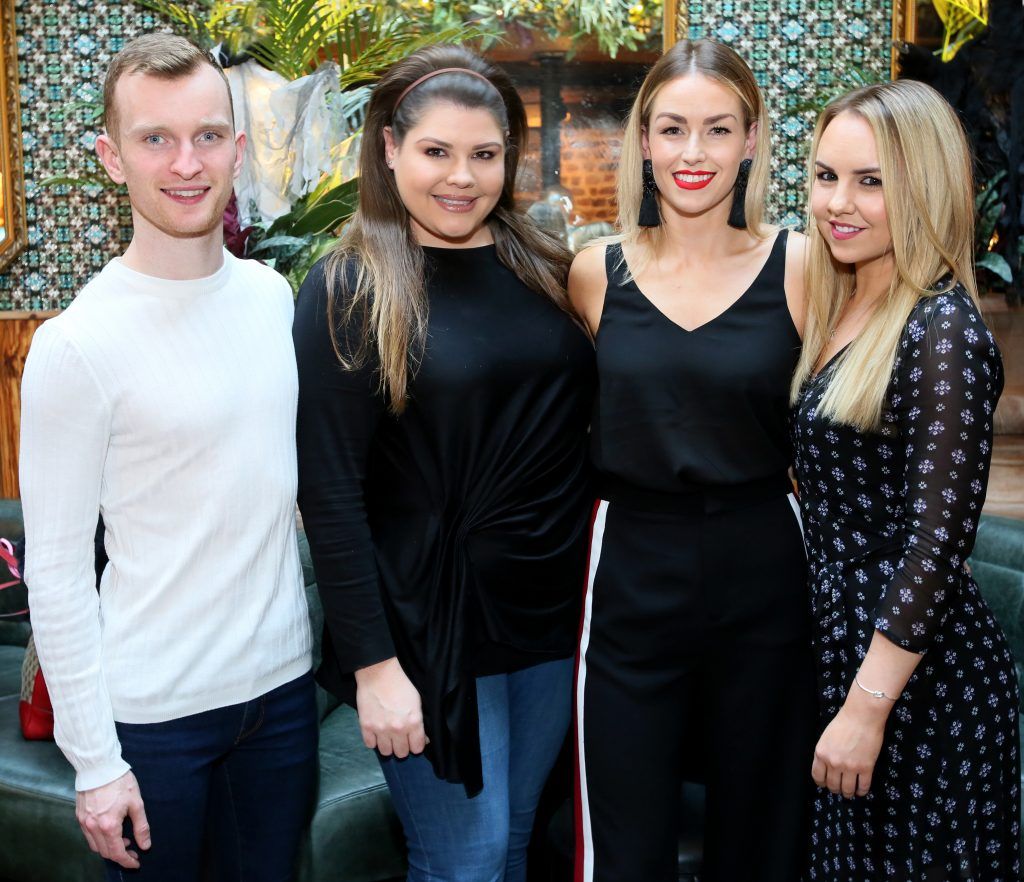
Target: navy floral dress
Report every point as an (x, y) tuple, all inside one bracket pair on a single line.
[(890, 518)]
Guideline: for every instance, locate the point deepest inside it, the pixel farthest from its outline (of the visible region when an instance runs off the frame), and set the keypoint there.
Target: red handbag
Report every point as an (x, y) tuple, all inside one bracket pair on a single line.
[(34, 708)]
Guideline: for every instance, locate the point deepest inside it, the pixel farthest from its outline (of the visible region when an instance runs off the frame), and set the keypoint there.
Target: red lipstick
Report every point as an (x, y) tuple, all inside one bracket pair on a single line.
[(693, 180)]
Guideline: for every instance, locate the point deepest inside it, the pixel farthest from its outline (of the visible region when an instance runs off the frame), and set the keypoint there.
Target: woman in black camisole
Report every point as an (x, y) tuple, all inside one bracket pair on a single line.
[(694, 655)]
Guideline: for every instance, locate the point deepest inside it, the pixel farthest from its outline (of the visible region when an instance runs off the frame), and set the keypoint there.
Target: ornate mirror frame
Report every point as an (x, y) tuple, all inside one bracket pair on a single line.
[(673, 22), (904, 30), (12, 184), (913, 21)]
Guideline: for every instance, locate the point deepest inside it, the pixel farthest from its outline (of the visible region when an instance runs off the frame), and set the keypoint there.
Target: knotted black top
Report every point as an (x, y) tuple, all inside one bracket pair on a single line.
[(452, 536)]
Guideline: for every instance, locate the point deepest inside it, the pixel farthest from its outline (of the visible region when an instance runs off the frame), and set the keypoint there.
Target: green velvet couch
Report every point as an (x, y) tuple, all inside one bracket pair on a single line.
[(998, 566), (354, 835)]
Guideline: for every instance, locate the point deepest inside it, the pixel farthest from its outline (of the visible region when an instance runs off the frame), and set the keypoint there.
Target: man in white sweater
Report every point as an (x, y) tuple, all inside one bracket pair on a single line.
[(164, 398)]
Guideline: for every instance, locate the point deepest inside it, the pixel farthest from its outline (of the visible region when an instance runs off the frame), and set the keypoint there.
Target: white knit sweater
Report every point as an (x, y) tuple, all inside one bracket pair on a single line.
[(169, 406)]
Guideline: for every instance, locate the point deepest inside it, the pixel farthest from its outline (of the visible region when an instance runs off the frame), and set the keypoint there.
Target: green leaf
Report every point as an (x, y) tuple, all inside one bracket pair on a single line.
[(193, 25), (851, 78), (326, 216), (997, 264), (279, 243), (84, 180)]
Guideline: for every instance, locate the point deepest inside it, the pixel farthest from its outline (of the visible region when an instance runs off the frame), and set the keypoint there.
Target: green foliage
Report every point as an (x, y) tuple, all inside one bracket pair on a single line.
[(296, 240), (92, 111), (995, 263), (846, 81), (322, 211), (98, 181), (293, 37), (370, 46), (615, 24), (290, 36), (988, 208)]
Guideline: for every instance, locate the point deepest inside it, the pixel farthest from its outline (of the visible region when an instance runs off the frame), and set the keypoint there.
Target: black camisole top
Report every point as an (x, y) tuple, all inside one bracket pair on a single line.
[(682, 411)]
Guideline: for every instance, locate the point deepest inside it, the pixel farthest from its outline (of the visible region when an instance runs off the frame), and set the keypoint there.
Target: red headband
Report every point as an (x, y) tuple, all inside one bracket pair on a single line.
[(434, 73)]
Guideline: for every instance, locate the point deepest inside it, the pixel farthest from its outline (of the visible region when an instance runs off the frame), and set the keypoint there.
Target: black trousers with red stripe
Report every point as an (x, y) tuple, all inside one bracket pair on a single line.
[(695, 661)]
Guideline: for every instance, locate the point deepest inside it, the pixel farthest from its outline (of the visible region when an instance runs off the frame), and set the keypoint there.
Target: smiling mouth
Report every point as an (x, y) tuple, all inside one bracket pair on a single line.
[(697, 180), (186, 195), (457, 204), (844, 231)]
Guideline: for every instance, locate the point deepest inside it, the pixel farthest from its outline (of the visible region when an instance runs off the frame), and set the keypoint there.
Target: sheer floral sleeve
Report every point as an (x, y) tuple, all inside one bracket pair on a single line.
[(946, 384)]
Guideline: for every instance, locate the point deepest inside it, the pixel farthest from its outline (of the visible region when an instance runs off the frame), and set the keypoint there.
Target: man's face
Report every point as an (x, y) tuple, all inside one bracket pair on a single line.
[(176, 150)]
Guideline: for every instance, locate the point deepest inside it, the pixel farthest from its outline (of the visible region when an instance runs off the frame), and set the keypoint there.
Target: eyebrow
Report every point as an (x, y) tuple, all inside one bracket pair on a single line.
[(711, 120), (448, 146), (209, 123), (857, 171)]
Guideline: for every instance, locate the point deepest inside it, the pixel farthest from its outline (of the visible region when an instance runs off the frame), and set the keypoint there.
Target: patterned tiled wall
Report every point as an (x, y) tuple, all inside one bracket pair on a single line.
[(63, 50), (794, 46)]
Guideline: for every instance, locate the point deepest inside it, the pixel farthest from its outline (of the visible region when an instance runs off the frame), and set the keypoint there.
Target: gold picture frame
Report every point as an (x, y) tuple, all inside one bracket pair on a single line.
[(904, 30), (917, 22), (673, 23), (12, 181)]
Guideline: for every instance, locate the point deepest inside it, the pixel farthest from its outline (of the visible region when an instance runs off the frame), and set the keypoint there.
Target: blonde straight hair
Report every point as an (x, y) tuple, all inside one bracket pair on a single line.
[(388, 297), (686, 58), (927, 183)]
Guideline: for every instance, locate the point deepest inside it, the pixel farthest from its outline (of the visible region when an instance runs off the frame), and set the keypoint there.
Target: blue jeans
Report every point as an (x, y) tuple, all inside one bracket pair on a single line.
[(243, 775), (523, 720)]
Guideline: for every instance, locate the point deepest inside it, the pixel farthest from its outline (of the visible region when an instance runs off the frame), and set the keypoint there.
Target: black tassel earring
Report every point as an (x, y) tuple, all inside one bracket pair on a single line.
[(650, 216), (738, 210)]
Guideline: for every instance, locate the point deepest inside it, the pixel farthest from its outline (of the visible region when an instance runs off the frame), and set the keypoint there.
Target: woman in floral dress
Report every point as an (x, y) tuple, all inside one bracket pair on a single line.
[(894, 399)]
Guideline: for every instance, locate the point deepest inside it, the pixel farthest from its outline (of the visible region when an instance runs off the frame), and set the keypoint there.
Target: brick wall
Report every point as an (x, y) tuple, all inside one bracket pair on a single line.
[(590, 157)]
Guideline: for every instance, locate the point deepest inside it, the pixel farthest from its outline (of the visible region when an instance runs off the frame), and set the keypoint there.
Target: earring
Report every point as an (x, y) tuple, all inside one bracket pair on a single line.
[(650, 216), (738, 210)]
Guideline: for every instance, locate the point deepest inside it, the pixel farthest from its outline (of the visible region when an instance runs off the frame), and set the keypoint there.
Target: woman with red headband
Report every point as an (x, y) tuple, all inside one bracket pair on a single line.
[(444, 397)]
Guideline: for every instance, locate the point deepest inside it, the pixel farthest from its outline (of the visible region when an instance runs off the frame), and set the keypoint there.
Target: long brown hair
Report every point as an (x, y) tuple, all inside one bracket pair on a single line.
[(388, 293), (927, 183)]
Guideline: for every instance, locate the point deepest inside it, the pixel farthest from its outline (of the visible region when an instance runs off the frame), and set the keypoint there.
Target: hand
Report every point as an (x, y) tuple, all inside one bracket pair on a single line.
[(390, 713), (848, 748), (101, 813)]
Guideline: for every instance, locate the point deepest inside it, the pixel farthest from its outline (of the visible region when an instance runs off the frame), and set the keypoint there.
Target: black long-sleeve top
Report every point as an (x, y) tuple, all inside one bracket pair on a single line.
[(453, 535)]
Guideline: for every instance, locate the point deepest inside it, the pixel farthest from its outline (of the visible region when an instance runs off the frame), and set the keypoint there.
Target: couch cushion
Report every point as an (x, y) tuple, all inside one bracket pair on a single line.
[(998, 567), (37, 810), (14, 633), (355, 835), (1000, 541), (325, 701), (11, 658), (1003, 590), (10, 519), (14, 630)]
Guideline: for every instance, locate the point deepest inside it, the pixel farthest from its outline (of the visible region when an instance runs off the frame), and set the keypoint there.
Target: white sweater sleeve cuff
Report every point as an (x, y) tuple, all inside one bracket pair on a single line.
[(97, 776)]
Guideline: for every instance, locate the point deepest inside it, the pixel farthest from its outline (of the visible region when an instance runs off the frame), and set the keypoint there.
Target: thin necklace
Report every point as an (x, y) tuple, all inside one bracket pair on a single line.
[(857, 314)]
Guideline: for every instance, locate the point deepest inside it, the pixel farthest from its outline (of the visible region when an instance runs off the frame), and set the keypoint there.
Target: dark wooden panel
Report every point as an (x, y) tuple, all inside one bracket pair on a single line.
[(15, 337)]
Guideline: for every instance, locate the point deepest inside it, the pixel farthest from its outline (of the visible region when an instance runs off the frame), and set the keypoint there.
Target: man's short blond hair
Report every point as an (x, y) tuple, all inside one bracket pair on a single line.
[(166, 56)]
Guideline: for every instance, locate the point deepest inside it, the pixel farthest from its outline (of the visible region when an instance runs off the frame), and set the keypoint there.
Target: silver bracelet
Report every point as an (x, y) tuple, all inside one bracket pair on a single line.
[(874, 693)]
